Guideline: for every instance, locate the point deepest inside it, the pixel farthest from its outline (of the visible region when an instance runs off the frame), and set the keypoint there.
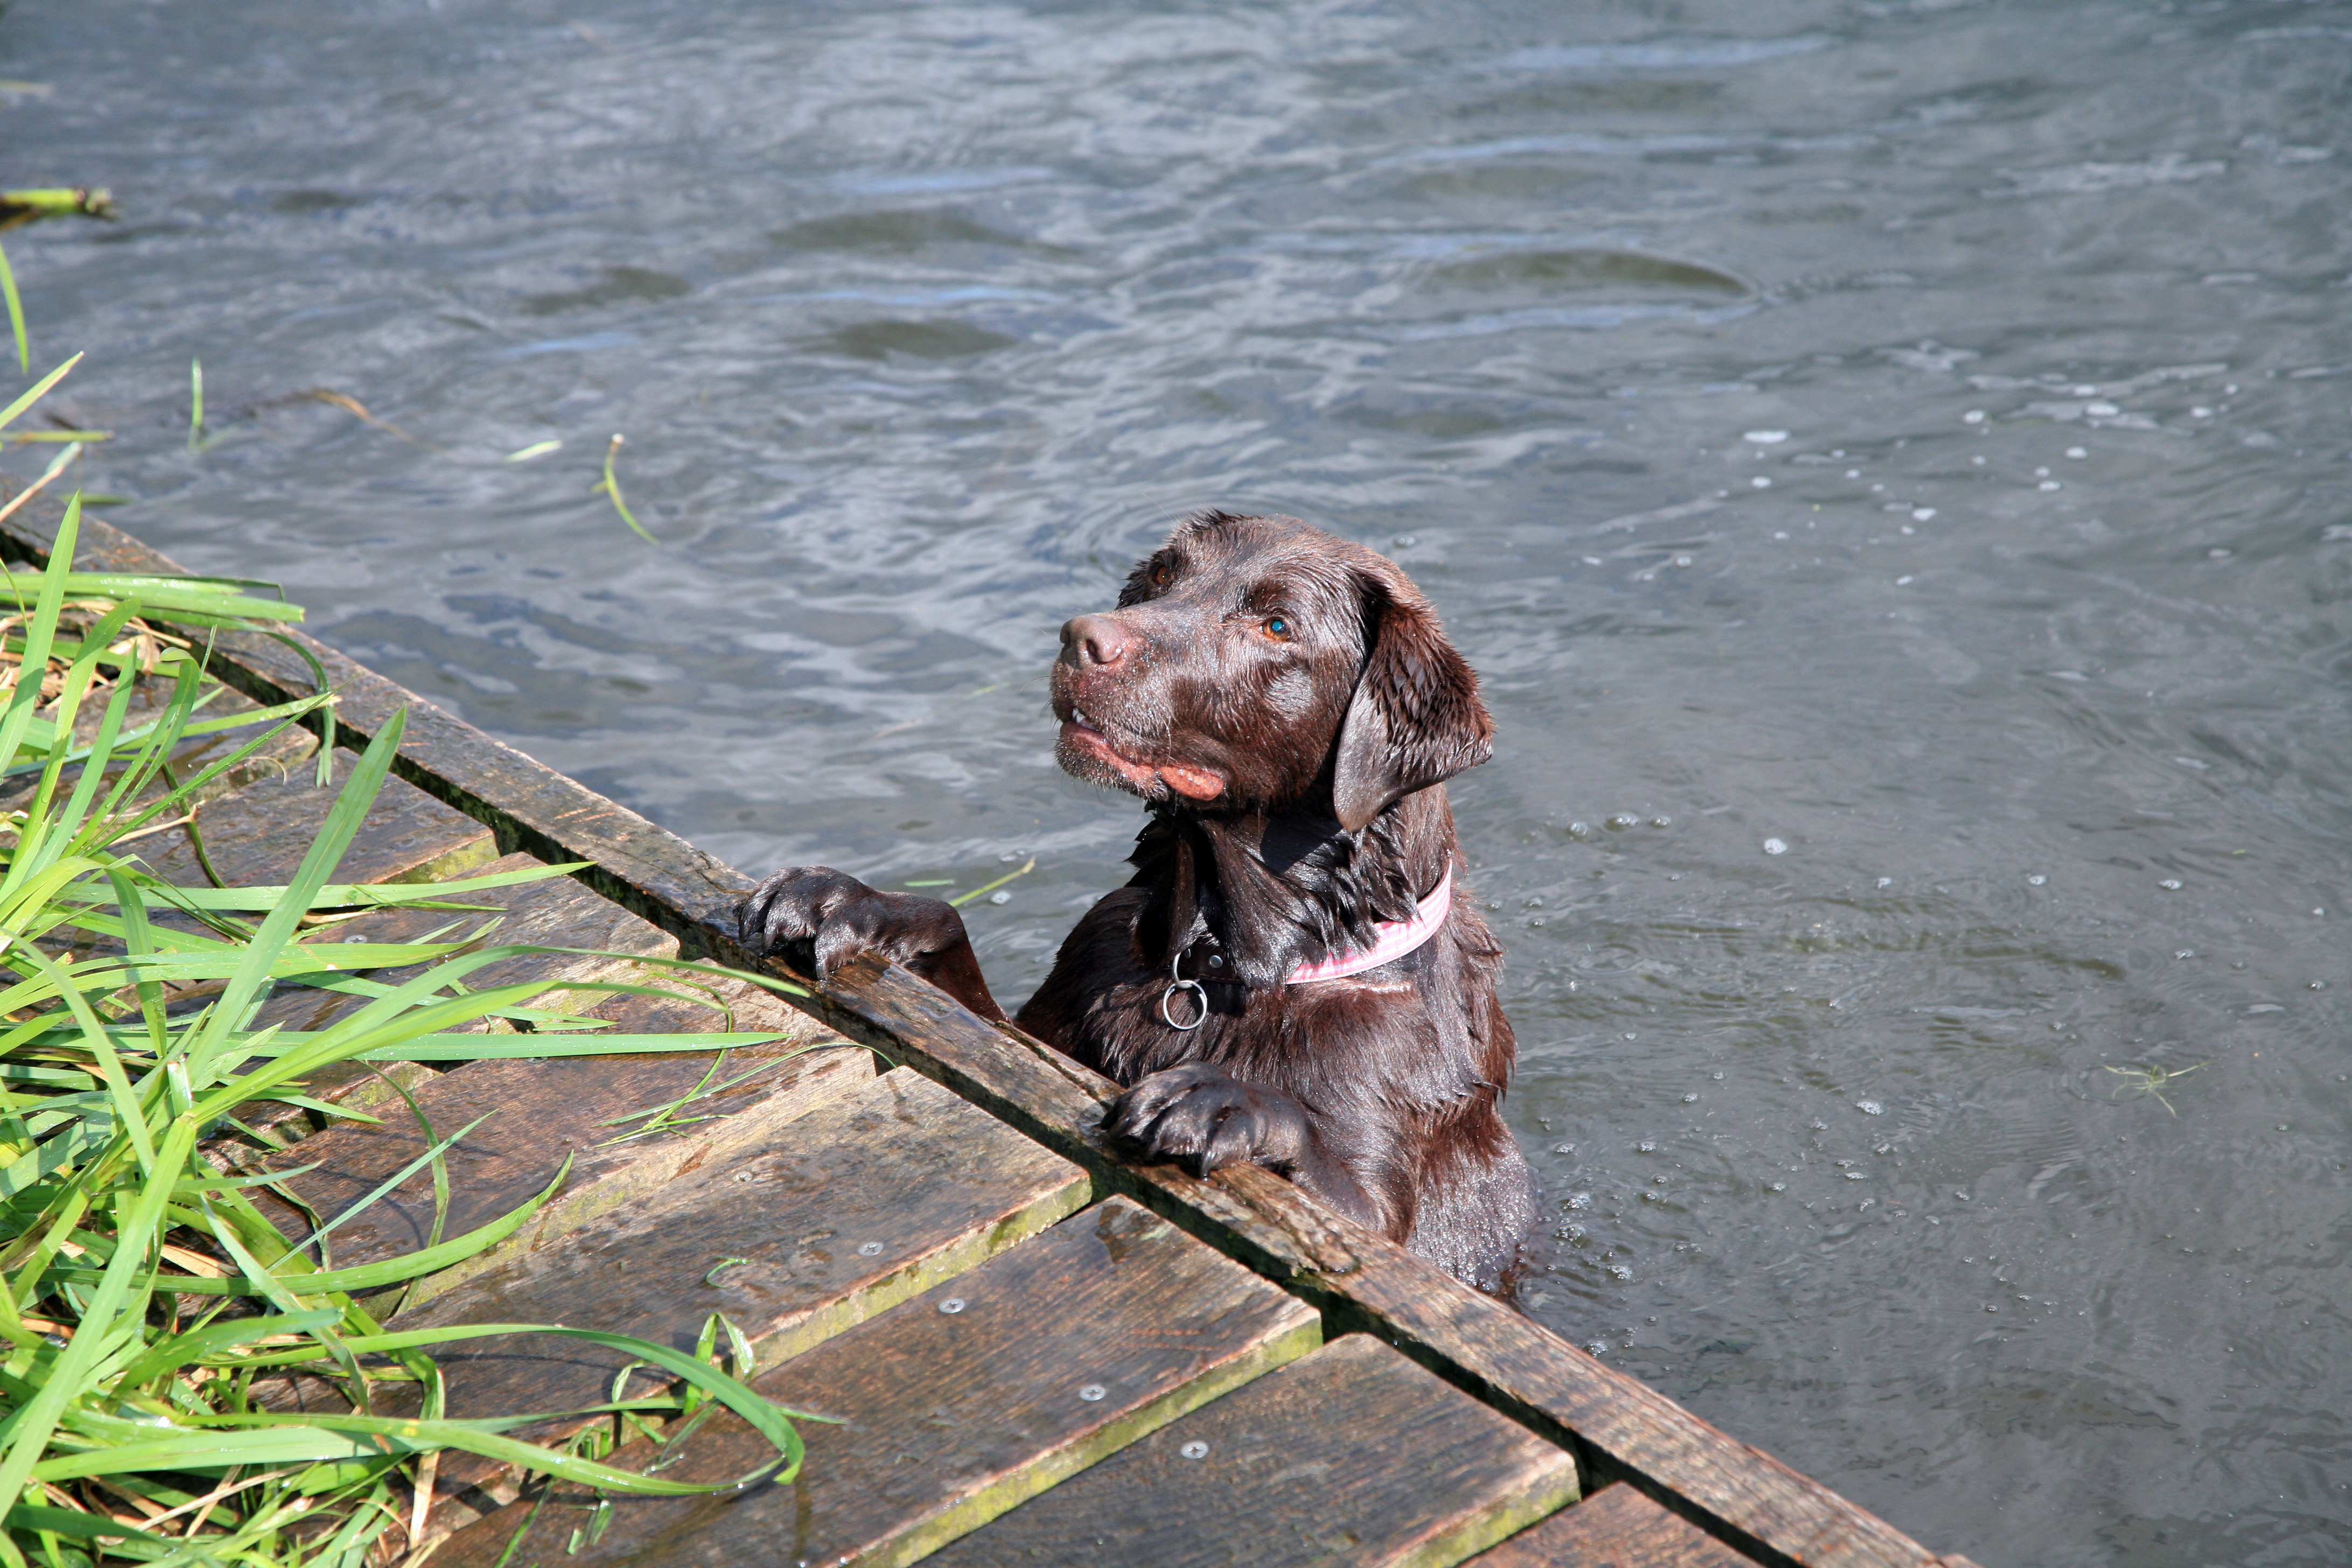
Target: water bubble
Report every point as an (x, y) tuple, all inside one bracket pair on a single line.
[(1973, 417), (1904, 581), (1855, 1176), (1407, 541), (1780, 533), (1766, 438), (1092, 1393), (2086, 392), (1196, 1449), (1647, 1146), (952, 1306), (2036, 880), (1775, 846), (2186, 953), (1579, 830), (1717, 1075), (1007, 859), (1631, 1035), (1870, 1107), (2078, 453), (1536, 921), (870, 1249), (1886, 881), (2050, 484), (2201, 412), (355, 939), (1563, 1148), (2319, 985), (2320, 911), (1579, 1200), (1598, 1347), (1690, 1100), (1619, 1271), (1682, 560), (1921, 514), (2101, 410), (2040, 473), (1760, 482), (1623, 820), (1000, 897), (2170, 884)]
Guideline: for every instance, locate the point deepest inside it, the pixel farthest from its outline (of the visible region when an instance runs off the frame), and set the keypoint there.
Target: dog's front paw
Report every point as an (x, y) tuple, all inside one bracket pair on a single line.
[(840, 917), (815, 914), (1205, 1116)]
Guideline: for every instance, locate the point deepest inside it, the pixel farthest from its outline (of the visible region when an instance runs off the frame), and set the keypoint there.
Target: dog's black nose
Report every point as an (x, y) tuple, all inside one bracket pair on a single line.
[(1096, 639)]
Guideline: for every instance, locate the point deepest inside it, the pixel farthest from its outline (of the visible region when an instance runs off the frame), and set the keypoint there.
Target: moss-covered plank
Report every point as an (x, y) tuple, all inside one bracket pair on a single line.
[(1616, 1526), (258, 835), (955, 1406), (795, 1222), (534, 1114), (281, 753), (557, 912), (1352, 1455)]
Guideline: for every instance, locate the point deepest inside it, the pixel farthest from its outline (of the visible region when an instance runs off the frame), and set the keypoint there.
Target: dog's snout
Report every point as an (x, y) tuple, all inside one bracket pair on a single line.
[(1097, 640)]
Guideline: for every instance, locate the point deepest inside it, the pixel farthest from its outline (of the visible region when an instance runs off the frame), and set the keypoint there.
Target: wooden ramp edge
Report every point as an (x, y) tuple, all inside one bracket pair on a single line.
[(1617, 1428)]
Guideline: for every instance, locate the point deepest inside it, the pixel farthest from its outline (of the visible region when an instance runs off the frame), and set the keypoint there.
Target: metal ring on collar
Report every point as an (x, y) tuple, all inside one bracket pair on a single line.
[(1198, 995), (1178, 983)]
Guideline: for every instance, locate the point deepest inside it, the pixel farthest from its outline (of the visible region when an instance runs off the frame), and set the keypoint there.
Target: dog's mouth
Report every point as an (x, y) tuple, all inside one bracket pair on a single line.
[(1084, 738)]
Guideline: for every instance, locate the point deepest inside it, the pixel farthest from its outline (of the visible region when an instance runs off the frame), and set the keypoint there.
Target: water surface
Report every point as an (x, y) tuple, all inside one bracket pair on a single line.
[(1888, 460)]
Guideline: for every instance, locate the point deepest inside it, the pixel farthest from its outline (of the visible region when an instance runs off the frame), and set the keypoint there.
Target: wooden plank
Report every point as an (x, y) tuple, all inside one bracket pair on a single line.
[(1616, 1526), (1351, 1455), (542, 1111), (195, 753), (559, 912), (1616, 1426), (258, 835), (1055, 1353), (798, 1216)]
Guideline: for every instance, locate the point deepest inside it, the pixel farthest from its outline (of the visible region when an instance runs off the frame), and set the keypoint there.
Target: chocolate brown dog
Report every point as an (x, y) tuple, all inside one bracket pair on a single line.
[(1295, 975)]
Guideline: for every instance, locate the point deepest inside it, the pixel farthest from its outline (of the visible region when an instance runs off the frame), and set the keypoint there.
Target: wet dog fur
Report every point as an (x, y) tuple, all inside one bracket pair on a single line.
[(1287, 707)]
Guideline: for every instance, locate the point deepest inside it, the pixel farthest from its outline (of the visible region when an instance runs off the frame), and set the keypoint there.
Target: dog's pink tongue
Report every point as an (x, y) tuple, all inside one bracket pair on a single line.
[(1193, 784)]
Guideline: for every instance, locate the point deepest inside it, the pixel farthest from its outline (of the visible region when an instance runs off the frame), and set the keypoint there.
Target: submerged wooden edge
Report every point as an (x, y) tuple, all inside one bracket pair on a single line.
[(1618, 1428)]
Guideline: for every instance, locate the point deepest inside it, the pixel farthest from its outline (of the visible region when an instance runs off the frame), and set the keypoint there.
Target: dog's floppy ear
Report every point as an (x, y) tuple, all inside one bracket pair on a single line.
[(1415, 718)]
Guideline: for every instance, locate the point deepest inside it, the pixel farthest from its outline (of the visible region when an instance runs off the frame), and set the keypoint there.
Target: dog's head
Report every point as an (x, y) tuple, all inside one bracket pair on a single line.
[(1253, 663)]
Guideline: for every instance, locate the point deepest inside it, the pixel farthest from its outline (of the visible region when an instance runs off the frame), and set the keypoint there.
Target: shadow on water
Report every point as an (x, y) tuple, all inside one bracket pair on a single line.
[(1887, 462)]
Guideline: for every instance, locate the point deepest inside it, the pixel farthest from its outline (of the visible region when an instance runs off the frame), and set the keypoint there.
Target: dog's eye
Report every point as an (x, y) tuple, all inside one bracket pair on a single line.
[(1161, 573), (1278, 627)]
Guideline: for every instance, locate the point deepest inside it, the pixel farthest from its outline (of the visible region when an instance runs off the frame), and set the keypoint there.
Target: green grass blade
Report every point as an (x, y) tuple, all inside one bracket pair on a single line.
[(15, 312), (40, 633), (38, 390), (334, 836), (135, 1230)]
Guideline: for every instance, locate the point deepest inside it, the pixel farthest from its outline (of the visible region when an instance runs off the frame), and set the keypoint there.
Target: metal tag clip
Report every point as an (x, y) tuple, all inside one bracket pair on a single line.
[(1178, 983)]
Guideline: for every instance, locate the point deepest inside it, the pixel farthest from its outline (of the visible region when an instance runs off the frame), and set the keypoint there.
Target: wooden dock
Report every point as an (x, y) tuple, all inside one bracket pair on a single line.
[(1030, 1352)]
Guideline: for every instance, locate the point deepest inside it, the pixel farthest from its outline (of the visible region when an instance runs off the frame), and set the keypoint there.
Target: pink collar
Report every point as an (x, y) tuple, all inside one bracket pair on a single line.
[(1396, 938)]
